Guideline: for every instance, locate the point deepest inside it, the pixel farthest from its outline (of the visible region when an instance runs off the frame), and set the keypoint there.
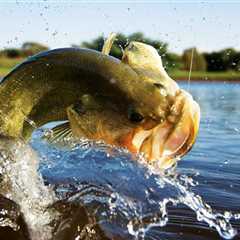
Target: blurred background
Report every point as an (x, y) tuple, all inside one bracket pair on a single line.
[(205, 31)]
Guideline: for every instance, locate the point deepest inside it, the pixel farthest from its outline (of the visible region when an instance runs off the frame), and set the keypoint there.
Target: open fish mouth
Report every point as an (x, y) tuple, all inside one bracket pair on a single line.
[(166, 142)]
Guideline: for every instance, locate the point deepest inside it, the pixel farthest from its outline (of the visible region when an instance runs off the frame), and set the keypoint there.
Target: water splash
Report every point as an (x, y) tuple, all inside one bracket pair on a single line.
[(135, 213), (138, 222), (22, 184), (203, 211)]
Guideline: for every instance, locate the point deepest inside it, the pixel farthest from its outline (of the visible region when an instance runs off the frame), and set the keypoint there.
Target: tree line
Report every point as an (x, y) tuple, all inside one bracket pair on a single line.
[(27, 49), (224, 60)]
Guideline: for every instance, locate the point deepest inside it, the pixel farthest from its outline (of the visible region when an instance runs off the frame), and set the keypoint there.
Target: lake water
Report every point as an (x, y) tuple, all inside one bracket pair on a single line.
[(127, 201)]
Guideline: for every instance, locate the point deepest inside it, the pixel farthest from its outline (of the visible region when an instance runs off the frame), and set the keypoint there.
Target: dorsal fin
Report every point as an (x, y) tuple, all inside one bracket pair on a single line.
[(59, 133), (108, 43)]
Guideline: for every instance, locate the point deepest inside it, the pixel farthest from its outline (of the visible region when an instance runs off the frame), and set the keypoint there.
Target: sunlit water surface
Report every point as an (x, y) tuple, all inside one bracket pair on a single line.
[(123, 199)]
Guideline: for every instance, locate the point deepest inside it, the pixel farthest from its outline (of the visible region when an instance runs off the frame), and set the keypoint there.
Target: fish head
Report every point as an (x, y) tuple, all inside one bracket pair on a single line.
[(156, 117), (171, 117), (121, 124), (166, 140)]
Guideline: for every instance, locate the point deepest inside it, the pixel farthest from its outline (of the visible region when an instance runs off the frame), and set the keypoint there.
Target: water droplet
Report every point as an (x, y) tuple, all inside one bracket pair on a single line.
[(54, 33)]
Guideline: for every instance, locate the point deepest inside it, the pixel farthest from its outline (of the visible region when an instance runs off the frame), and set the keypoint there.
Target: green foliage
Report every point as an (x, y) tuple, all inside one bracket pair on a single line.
[(173, 62), (227, 60), (192, 56), (170, 60), (10, 53), (224, 60), (31, 48), (27, 49), (236, 62)]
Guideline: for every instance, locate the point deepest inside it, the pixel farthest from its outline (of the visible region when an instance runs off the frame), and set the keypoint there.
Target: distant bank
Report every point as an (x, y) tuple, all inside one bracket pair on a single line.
[(206, 76), (179, 75)]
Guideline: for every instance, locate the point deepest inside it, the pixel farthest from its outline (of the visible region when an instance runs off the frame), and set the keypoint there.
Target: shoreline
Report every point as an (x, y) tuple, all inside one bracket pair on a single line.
[(225, 80), (206, 76), (182, 76)]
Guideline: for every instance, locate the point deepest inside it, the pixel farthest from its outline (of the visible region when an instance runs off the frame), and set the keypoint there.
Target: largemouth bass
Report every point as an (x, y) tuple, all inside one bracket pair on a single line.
[(131, 103)]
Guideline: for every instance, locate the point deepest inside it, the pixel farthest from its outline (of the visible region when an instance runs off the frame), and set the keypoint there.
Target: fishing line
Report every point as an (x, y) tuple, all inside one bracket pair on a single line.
[(190, 70)]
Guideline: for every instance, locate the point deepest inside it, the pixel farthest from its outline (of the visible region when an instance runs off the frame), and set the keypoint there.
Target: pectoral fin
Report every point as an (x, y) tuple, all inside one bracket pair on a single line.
[(59, 133)]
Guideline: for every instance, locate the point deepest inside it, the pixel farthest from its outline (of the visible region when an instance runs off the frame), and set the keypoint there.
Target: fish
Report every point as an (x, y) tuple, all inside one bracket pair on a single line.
[(130, 103)]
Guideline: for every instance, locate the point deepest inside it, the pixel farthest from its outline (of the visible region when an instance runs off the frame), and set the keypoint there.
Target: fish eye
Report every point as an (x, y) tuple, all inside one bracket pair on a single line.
[(78, 108), (135, 117)]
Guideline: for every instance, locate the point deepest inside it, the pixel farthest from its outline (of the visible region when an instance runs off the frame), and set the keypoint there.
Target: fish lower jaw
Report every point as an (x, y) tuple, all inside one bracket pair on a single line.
[(165, 143)]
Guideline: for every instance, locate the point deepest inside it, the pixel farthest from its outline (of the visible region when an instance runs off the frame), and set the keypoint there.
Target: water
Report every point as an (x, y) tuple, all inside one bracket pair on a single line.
[(92, 191)]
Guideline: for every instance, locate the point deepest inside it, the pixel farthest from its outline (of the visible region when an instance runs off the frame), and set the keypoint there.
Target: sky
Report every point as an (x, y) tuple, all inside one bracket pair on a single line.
[(208, 25)]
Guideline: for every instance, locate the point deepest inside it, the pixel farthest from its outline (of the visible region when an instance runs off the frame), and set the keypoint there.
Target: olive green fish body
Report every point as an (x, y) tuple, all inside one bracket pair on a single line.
[(43, 87), (131, 103)]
